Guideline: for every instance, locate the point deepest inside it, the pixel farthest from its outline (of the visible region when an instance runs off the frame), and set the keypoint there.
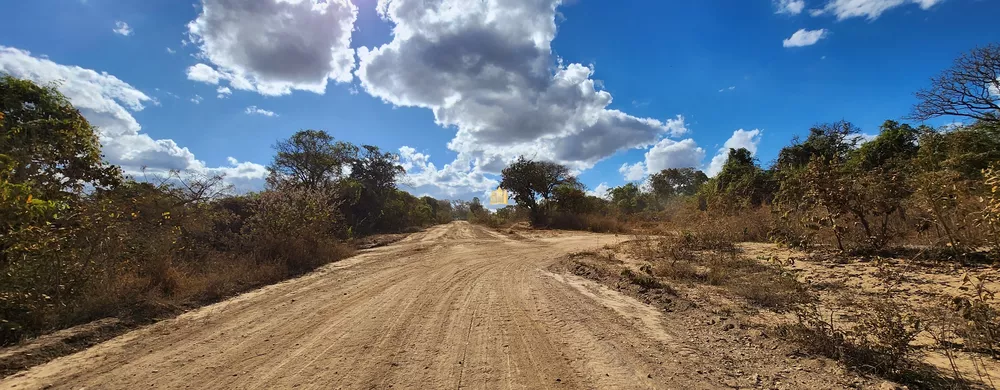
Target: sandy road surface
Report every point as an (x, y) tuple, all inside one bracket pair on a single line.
[(457, 306)]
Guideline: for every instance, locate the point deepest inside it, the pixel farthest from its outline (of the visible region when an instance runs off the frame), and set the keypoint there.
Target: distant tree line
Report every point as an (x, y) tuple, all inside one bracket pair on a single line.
[(906, 185)]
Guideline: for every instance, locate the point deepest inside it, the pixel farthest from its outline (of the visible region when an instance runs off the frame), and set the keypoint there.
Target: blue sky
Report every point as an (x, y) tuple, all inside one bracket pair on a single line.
[(614, 90)]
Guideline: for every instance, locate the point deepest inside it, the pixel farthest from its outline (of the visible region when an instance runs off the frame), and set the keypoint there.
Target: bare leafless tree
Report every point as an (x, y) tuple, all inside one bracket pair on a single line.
[(970, 88), (189, 187)]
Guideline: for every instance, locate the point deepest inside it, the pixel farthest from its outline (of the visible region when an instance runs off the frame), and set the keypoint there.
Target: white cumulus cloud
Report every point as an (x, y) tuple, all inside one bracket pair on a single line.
[(633, 172), (455, 180), (805, 37), (674, 154), (791, 7), (108, 103), (275, 46), (204, 73), (487, 70), (601, 191), (747, 139)]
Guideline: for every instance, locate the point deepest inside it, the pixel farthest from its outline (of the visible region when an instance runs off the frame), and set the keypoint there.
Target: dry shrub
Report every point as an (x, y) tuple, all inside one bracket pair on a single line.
[(141, 252), (761, 284), (587, 222), (879, 342), (970, 321), (981, 326), (641, 279), (677, 270), (714, 260), (756, 224)]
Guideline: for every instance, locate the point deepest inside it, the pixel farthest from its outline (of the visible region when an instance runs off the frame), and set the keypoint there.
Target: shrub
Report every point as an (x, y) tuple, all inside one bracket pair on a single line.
[(879, 343), (639, 279)]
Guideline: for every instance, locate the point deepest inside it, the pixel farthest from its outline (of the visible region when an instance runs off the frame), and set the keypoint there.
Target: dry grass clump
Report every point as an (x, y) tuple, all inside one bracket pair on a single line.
[(714, 259), (880, 342)]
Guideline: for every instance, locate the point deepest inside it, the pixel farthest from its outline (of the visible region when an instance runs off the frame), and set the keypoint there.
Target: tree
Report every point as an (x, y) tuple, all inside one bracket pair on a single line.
[(847, 196), (829, 141), (376, 170), (311, 159), (895, 144), (371, 185), (970, 88), (967, 150), (460, 210), (741, 182), (676, 182), (627, 198), (570, 198), (476, 207), (49, 143), (530, 180)]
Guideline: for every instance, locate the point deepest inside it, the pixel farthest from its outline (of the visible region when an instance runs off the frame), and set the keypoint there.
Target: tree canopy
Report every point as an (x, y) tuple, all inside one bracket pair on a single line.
[(530, 180), (676, 182), (311, 159), (49, 143)]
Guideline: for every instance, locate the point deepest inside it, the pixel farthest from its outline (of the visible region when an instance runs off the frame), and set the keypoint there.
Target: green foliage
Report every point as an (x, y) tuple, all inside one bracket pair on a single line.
[(673, 182), (628, 198), (966, 150), (829, 142), (530, 180), (740, 184), (373, 202), (895, 144), (570, 198), (48, 142), (311, 159)]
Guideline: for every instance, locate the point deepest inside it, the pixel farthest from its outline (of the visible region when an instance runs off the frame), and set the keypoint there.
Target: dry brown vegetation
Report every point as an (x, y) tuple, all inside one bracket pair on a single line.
[(918, 323), (80, 240), (913, 206)]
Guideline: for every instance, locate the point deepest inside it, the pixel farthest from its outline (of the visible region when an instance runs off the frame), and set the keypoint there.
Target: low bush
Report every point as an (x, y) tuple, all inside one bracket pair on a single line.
[(715, 261), (79, 240), (640, 279), (879, 342)]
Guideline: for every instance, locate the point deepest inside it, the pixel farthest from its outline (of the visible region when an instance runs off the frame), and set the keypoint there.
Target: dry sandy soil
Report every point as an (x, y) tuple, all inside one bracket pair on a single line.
[(456, 306)]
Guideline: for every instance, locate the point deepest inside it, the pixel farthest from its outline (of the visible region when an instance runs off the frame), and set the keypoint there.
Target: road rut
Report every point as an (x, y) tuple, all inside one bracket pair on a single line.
[(456, 306)]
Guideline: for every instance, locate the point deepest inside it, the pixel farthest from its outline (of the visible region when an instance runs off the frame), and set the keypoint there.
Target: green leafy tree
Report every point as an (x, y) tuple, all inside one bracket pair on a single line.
[(371, 185), (896, 144), (627, 198), (570, 198), (49, 143), (673, 182), (741, 182), (310, 159), (967, 150), (534, 181), (830, 142)]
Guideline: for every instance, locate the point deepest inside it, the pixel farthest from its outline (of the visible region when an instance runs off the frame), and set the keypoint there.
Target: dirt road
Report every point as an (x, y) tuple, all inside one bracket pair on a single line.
[(456, 306)]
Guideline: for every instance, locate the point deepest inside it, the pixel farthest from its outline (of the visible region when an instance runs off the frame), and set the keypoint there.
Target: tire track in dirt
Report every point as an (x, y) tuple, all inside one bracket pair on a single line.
[(456, 306)]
